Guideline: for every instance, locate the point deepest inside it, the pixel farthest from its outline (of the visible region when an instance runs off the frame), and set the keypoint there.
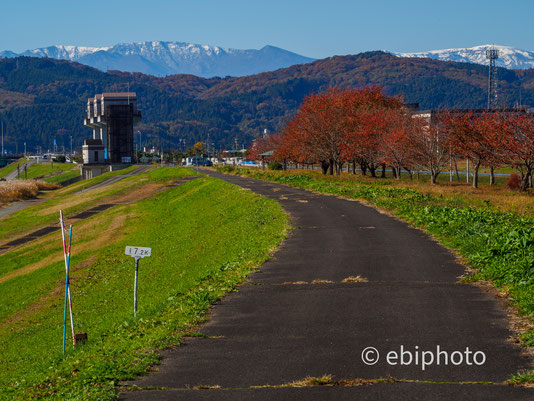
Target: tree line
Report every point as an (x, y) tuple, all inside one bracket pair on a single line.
[(367, 128)]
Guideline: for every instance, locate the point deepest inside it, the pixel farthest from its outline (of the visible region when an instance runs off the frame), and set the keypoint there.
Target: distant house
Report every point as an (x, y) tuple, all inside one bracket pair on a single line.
[(432, 115)]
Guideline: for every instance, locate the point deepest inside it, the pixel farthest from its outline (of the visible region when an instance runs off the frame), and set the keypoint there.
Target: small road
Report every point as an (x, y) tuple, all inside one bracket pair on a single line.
[(17, 206), (114, 179), (282, 327), (13, 175)]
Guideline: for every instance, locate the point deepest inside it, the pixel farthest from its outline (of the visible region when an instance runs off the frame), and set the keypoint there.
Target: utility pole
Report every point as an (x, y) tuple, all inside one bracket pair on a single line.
[(160, 150), (71, 147), (235, 151), (2, 138), (492, 55)]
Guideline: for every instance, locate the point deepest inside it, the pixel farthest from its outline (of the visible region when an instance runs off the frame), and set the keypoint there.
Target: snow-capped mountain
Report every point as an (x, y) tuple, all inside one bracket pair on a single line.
[(509, 57), (166, 58)]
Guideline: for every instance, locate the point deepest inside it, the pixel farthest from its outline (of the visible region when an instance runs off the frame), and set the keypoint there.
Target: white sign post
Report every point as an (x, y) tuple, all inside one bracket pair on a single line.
[(137, 252)]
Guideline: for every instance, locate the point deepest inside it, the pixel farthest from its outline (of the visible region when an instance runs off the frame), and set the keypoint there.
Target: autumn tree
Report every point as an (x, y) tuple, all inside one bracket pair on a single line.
[(497, 132), (469, 138), (397, 148), (520, 146), (259, 146), (319, 126), (367, 115), (198, 147), (430, 146)]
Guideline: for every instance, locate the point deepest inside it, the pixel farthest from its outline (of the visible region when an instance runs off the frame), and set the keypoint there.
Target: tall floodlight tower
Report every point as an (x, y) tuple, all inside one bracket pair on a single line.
[(492, 55)]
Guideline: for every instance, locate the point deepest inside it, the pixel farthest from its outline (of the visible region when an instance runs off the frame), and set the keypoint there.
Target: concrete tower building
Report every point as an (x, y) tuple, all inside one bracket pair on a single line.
[(112, 117)]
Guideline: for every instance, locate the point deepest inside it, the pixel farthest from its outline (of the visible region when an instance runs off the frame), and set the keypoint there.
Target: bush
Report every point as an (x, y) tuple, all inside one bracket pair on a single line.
[(60, 159), (514, 181), (275, 166), (227, 168)]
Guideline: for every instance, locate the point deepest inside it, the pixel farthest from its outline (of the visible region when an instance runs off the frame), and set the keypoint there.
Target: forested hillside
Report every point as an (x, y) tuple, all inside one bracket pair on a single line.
[(43, 99)]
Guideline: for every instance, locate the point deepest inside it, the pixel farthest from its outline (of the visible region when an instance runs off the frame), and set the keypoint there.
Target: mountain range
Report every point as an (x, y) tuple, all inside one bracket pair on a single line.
[(161, 58), (166, 58), (509, 57), (42, 99)]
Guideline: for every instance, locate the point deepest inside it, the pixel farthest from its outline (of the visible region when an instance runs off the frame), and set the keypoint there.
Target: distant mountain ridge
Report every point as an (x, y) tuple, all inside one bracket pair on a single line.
[(509, 57), (161, 58), (42, 99)]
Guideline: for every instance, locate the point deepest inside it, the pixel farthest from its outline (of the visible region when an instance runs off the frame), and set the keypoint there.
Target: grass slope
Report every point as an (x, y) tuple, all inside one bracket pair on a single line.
[(67, 175), (42, 170), (206, 236), (71, 200), (11, 167)]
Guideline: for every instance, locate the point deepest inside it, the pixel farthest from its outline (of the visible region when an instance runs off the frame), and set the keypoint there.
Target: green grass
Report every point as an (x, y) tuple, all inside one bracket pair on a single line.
[(58, 179), (202, 247), (11, 167), (61, 171), (42, 170), (87, 183), (499, 245), (30, 218)]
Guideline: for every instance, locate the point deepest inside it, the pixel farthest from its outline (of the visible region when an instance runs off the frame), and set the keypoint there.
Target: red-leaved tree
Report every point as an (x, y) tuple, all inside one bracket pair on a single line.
[(520, 146)]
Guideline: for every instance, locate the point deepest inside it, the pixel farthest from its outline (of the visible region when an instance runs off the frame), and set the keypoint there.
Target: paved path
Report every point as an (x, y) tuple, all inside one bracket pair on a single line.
[(111, 180), (270, 334), (21, 205), (13, 175)]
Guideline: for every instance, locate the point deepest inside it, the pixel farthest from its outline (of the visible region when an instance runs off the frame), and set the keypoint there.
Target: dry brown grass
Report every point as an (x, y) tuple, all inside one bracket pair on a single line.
[(207, 387), (15, 190), (94, 234), (318, 281), (498, 196), (310, 381), (355, 279)]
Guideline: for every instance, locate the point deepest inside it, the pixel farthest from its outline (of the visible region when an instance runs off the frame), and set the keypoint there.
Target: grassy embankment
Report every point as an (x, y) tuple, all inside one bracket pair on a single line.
[(492, 227), (52, 172), (11, 167), (206, 236), (55, 173), (71, 200)]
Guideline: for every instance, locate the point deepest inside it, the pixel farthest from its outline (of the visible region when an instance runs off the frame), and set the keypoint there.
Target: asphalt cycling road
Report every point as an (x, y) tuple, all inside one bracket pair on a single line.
[(297, 318)]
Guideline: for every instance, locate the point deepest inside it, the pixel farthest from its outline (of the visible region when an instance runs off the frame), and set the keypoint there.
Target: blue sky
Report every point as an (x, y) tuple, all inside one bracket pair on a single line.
[(312, 28)]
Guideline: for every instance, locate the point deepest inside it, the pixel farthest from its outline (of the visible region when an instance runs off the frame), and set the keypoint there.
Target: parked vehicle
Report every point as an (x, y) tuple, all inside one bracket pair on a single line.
[(199, 161), (248, 164)]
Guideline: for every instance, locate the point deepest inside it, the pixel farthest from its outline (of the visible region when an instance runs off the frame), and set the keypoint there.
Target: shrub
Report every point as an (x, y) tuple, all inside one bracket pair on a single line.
[(60, 159), (227, 168), (275, 166), (513, 182)]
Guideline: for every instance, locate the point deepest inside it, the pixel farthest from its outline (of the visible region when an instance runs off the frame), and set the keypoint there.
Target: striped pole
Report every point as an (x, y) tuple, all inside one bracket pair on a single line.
[(62, 224), (68, 287), (66, 255)]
